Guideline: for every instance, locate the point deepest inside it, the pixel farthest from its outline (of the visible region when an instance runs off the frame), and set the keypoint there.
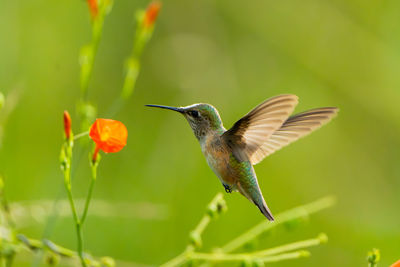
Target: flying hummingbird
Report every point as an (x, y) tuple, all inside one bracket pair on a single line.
[(267, 128)]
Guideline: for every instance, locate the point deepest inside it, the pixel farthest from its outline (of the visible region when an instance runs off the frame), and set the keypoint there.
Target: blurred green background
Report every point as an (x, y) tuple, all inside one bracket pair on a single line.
[(232, 54)]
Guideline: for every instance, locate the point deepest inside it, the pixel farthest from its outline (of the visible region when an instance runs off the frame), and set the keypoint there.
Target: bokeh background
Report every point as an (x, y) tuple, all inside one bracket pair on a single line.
[(232, 54)]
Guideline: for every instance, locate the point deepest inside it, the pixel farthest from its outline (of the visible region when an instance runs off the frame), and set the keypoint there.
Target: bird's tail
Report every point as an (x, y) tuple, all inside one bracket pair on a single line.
[(265, 210), (253, 193)]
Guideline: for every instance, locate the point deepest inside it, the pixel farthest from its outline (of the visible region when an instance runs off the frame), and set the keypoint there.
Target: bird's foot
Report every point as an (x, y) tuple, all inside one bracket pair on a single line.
[(227, 188)]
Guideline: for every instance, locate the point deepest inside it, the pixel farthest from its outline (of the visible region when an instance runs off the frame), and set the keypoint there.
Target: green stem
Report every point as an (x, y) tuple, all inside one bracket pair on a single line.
[(67, 183), (57, 249), (206, 219), (89, 195), (77, 222), (10, 260), (214, 207), (268, 255), (97, 29), (373, 257), (80, 135), (281, 218), (322, 238), (178, 260), (80, 243), (246, 257), (287, 256), (202, 224)]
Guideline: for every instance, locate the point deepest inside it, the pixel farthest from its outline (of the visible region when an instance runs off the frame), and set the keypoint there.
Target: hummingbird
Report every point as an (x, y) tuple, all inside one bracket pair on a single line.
[(267, 128)]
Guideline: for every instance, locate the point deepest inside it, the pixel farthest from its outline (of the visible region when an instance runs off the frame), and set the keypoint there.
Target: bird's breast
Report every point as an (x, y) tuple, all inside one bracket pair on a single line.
[(218, 157)]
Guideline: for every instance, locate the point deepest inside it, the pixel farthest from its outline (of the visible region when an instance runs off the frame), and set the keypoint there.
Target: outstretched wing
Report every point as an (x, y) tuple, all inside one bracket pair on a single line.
[(295, 127), (248, 135)]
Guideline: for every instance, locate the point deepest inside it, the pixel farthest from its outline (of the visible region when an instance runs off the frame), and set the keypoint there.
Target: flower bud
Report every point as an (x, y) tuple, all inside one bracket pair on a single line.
[(93, 8), (151, 14), (67, 125), (373, 257)]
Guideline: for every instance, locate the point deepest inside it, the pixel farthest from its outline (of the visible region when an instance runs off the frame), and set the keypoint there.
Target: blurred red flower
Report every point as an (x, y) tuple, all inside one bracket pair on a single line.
[(93, 7), (151, 13), (67, 125), (109, 136)]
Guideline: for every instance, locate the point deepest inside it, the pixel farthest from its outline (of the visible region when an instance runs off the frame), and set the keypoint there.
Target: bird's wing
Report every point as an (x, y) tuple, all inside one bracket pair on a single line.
[(294, 128), (248, 135)]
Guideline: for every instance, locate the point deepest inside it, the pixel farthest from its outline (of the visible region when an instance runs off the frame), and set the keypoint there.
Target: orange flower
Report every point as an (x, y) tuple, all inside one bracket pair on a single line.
[(67, 125), (93, 7), (396, 264), (109, 136), (151, 13)]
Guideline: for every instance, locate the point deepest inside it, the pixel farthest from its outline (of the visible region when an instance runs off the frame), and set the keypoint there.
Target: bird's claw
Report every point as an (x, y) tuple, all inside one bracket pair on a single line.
[(227, 188)]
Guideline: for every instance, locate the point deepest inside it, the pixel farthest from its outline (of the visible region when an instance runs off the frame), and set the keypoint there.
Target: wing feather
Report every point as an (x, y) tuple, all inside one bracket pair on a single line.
[(293, 128), (251, 132)]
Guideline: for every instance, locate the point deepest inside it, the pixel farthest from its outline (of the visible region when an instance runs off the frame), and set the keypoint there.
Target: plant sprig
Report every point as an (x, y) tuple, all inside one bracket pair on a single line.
[(284, 252)]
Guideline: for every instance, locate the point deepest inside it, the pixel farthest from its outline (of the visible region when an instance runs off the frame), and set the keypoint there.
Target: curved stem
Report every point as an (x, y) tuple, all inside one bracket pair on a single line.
[(67, 182), (198, 231), (213, 257), (97, 29), (76, 219), (267, 255), (321, 238), (281, 218), (177, 261), (89, 195), (80, 243), (80, 135)]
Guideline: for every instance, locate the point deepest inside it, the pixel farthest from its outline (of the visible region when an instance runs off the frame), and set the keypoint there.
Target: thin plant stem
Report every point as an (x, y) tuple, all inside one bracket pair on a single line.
[(97, 29), (322, 238), (202, 224), (216, 206), (90, 192), (286, 256), (178, 260), (66, 158), (75, 215), (268, 255), (45, 245), (214, 257), (206, 219), (218, 257), (80, 135), (281, 218), (374, 257)]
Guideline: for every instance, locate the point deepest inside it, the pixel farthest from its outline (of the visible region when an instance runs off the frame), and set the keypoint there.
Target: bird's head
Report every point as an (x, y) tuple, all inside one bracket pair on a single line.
[(202, 118)]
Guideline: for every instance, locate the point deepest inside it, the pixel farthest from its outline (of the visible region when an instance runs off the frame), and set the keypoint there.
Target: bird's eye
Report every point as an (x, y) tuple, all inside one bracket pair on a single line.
[(194, 113)]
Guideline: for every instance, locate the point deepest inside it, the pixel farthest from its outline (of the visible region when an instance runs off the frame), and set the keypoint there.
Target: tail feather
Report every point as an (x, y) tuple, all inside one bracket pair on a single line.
[(253, 193), (265, 210)]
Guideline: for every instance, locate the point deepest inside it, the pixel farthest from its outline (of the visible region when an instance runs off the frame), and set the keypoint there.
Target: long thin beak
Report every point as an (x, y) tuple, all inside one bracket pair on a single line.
[(166, 107)]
